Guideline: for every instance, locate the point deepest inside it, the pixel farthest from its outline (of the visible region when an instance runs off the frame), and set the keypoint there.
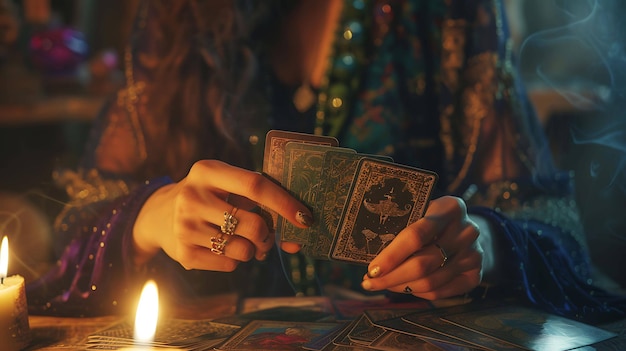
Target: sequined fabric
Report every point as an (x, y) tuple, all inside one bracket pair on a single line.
[(437, 90)]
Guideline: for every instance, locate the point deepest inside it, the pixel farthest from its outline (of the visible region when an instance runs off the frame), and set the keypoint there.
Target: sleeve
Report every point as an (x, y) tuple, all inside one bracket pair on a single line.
[(538, 233), (95, 274), (93, 234), (544, 265)]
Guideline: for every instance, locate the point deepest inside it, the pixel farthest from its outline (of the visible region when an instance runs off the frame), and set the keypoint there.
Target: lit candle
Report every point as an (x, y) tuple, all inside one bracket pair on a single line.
[(14, 328), (146, 319), (147, 314)]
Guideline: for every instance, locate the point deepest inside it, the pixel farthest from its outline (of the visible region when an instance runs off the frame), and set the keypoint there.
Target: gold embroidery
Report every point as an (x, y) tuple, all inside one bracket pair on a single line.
[(131, 98), (477, 101), (452, 58), (453, 34), (87, 186)]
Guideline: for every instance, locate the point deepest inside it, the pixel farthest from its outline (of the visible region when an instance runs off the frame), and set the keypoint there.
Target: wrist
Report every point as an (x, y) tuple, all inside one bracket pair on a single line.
[(488, 244), (149, 225)]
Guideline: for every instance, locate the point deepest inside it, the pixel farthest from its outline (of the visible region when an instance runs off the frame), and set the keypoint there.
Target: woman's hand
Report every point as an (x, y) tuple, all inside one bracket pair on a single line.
[(184, 219), (436, 257)]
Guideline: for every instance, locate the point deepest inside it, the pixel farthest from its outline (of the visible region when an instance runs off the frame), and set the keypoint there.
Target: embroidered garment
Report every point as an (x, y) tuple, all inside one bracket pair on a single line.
[(430, 83)]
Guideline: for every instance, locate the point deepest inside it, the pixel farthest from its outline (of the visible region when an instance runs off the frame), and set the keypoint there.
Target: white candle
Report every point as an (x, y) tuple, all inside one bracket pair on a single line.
[(14, 328)]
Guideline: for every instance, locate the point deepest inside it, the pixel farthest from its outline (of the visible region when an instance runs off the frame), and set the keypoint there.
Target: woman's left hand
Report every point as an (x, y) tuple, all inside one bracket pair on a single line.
[(436, 257)]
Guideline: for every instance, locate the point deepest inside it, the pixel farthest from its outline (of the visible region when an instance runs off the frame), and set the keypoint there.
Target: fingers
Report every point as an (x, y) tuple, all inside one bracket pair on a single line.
[(204, 195), (438, 256), (253, 186), (419, 265), (244, 224), (290, 247), (410, 240), (455, 278), (445, 217)]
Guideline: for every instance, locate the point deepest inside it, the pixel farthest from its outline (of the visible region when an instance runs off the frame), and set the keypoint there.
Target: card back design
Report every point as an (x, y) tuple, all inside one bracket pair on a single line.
[(274, 155), (530, 329), (302, 177), (337, 175), (275, 142), (384, 199)]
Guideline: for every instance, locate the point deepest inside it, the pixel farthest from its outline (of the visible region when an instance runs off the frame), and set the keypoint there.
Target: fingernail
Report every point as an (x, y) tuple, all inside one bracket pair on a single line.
[(304, 218), (374, 272), (367, 285), (263, 257)]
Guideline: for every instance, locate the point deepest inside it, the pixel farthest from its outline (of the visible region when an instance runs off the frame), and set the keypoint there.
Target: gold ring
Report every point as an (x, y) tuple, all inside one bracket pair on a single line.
[(230, 222), (444, 255), (218, 245)]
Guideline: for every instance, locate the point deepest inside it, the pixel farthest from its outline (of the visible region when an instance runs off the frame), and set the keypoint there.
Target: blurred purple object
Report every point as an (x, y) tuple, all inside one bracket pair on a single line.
[(58, 50)]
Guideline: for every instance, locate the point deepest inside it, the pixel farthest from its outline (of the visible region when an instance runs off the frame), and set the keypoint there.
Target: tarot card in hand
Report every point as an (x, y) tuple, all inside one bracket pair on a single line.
[(384, 199), (274, 153), (301, 176), (275, 142), (336, 178)]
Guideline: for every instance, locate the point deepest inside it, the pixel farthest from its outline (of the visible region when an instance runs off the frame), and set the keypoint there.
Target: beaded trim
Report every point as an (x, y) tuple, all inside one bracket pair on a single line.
[(342, 77)]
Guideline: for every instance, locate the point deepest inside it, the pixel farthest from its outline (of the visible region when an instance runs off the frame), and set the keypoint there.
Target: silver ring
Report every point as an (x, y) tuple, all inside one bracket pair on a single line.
[(444, 255), (407, 290), (230, 222), (218, 245)]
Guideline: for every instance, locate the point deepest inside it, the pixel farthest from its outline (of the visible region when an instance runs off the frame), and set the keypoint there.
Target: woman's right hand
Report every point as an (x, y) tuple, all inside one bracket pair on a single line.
[(183, 218)]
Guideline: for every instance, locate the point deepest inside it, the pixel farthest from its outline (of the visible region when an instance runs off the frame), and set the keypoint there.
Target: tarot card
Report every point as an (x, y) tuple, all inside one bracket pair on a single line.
[(281, 313), (310, 303), (260, 335), (399, 325), (337, 176), (321, 342), (301, 176), (275, 142), (432, 321), (364, 332), (274, 154), (384, 199), (341, 339), (375, 315), (529, 328), (186, 334), (392, 341), (352, 309)]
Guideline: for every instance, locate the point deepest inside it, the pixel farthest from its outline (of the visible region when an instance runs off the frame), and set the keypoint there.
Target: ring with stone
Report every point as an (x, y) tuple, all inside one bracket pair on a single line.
[(218, 245), (230, 222)]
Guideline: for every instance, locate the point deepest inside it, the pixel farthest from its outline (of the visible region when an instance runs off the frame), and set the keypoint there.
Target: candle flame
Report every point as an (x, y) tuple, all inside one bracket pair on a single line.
[(4, 257), (147, 313)]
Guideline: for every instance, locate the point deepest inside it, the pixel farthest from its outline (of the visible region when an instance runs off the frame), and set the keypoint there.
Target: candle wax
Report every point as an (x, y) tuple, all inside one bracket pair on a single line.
[(14, 328)]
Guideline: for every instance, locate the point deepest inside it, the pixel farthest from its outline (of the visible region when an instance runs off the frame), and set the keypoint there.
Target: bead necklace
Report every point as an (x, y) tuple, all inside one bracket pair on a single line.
[(342, 78)]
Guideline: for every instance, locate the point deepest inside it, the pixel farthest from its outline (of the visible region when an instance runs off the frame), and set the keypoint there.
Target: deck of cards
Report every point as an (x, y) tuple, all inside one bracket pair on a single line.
[(373, 325), (360, 202)]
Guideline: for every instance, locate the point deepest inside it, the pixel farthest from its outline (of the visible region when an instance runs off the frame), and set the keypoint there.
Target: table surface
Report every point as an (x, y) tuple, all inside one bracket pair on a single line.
[(61, 333), (64, 333)]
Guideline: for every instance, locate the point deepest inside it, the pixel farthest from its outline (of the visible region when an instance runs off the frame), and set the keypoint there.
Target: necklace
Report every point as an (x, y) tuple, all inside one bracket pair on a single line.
[(304, 97), (336, 15)]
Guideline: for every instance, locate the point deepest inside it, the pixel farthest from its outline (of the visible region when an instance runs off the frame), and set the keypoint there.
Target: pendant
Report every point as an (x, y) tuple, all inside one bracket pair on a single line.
[(303, 98)]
